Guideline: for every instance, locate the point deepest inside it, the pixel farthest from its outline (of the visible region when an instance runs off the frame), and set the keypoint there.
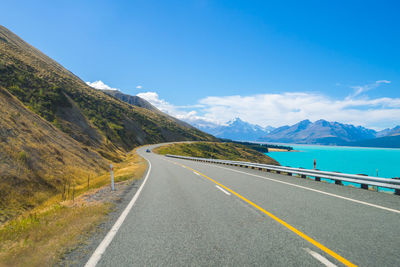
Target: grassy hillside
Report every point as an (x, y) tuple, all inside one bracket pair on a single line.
[(86, 114), (36, 158), (140, 102), (55, 129), (228, 151)]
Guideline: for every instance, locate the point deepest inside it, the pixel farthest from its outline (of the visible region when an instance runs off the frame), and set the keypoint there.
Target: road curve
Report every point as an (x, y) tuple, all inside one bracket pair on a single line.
[(193, 213)]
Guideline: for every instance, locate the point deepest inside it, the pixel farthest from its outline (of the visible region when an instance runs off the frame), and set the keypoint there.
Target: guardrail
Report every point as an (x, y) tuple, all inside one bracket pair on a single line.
[(364, 180)]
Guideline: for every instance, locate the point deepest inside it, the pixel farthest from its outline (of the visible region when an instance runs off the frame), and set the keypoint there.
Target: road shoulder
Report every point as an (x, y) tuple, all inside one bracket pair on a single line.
[(120, 198)]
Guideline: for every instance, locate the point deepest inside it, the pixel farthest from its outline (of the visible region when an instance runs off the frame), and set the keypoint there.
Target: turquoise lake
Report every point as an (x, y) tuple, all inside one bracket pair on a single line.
[(380, 162)]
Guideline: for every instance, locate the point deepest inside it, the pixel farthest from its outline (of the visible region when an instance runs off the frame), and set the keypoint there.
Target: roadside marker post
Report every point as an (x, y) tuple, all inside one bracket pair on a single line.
[(112, 177)]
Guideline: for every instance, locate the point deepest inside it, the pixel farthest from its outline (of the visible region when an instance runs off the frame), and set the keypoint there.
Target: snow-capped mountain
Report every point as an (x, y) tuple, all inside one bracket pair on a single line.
[(319, 132), (236, 129)]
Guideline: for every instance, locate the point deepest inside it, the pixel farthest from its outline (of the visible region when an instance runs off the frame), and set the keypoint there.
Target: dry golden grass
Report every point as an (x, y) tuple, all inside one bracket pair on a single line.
[(41, 236), (36, 159), (132, 167), (38, 240)]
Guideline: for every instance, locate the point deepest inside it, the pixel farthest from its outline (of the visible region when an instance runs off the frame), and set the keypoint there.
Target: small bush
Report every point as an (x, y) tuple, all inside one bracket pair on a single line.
[(23, 157)]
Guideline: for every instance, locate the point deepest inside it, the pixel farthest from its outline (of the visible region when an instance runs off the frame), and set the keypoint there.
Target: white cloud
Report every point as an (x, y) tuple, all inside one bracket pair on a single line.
[(286, 108), (359, 89), (289, 108), (180, 112), (161, 104), (100, 85), (139, 87)]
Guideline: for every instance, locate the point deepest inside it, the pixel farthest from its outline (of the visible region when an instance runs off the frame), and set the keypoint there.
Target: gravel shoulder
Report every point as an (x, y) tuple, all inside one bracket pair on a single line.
[(118, 199)]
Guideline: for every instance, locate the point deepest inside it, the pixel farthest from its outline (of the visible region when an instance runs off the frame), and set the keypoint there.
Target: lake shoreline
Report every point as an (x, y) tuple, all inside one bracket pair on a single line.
[(281, 150), (379, 162)]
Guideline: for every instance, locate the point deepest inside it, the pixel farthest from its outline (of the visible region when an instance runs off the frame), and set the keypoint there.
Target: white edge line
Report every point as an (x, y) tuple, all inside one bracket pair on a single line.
[(320, 258), (96, 256), (223, 190), (314, 190)]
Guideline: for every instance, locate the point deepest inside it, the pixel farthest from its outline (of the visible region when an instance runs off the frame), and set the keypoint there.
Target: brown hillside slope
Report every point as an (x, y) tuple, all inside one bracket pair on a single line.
[(86, 114), (36, 158), (54, 128)]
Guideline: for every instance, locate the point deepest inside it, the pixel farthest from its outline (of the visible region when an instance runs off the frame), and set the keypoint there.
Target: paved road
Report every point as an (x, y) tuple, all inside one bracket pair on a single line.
[(182, 218)]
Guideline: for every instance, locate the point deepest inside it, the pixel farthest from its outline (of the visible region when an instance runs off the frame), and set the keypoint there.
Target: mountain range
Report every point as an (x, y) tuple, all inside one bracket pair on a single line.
[(235, 129), (304, 132), (319, 132)]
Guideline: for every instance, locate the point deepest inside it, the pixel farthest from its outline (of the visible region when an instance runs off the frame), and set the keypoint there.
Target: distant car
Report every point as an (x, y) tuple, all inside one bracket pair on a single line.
[(148, 150)]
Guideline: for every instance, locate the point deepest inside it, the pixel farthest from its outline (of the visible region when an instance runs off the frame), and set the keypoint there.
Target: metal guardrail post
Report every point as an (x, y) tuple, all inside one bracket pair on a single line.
[(303, 176), (318, 179), (397, 191), (364, 186), (338, 182)]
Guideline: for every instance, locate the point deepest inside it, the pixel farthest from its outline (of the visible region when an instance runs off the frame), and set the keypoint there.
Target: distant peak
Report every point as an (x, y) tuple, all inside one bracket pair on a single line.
[(305, 122), (236, 120)]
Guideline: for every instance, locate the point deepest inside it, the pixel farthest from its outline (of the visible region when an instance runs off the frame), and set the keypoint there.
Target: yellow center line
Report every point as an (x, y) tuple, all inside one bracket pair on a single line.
[(291, 228)]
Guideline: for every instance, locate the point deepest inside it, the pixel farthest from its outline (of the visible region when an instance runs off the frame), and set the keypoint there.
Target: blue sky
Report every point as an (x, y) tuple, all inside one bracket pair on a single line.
[(215, 60)]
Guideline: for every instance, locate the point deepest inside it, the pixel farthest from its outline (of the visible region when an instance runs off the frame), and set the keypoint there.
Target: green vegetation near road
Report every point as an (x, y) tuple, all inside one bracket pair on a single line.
[(263, 148), (228, 151)]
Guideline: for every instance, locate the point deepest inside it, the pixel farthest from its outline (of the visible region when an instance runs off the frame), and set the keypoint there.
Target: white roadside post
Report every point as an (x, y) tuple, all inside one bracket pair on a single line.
[(112, 177)]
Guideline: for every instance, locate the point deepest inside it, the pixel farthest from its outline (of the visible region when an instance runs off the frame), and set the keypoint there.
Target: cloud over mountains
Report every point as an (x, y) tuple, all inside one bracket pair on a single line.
[(100, 85), (286, 108), (283, 108)]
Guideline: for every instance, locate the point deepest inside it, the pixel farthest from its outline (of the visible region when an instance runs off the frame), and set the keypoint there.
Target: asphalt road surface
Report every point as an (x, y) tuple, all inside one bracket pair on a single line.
[(197, 214)]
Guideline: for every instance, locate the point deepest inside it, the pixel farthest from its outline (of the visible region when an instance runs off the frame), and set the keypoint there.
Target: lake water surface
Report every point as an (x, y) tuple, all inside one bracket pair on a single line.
[(380, 162)]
